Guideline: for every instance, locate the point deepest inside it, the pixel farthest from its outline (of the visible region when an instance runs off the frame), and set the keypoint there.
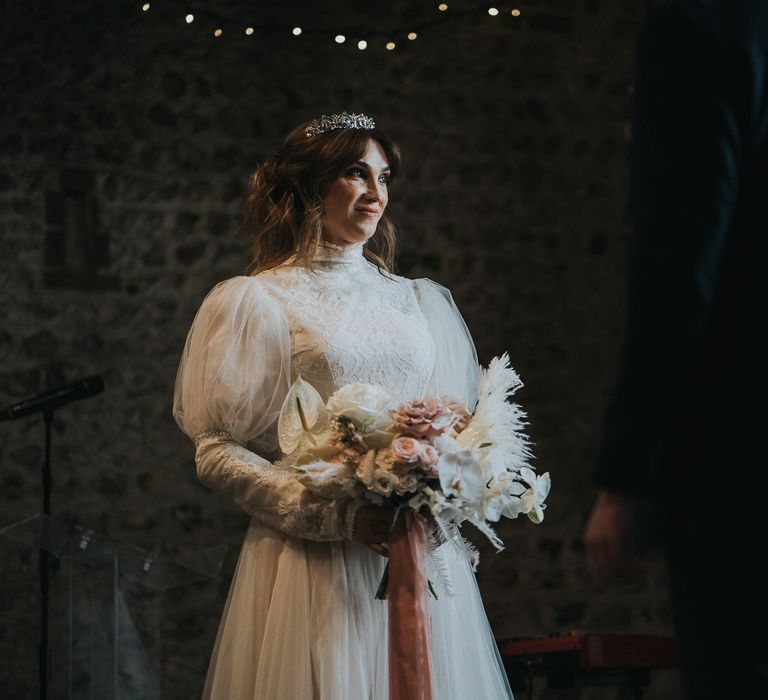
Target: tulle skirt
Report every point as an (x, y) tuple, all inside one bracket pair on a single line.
[(302, 622)]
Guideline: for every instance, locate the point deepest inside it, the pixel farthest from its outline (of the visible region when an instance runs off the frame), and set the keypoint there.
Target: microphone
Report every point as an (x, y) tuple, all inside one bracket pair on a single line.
[(53, 398)]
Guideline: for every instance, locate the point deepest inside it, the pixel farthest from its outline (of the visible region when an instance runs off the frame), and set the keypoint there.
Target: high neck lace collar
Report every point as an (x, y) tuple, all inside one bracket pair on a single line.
[(332, 255)]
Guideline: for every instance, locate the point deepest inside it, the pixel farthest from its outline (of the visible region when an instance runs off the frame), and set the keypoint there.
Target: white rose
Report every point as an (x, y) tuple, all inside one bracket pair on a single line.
[(364, 404)]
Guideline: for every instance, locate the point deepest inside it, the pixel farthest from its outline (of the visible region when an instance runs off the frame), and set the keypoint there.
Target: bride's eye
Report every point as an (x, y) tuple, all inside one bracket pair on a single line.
[(355, 172)]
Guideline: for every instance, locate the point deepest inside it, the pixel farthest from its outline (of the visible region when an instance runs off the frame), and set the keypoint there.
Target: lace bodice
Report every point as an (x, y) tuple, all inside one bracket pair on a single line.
[(350, 323)]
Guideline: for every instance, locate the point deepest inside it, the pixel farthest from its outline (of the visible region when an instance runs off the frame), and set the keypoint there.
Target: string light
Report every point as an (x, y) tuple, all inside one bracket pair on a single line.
[(215, 22)]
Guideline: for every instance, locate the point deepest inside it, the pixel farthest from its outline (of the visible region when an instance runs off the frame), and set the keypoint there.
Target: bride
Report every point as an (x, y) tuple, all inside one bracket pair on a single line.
[(301, 620)]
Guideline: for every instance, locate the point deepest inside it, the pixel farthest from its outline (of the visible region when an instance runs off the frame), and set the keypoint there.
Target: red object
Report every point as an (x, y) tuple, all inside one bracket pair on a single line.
[(410, 665), (598, 651)]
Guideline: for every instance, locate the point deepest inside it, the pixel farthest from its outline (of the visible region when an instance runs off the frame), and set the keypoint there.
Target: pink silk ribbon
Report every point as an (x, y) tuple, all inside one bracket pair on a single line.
[(410, 663)]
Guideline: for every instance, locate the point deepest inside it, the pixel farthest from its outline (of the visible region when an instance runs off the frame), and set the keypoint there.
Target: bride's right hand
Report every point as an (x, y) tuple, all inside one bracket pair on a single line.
[(372, 526)]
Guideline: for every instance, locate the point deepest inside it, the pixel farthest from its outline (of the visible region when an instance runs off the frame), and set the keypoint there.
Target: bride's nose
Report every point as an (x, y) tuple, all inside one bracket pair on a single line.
[(374, 191)]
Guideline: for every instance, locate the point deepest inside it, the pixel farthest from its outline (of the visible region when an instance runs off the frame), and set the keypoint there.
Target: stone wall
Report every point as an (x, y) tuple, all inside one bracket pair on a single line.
[(513, 132)]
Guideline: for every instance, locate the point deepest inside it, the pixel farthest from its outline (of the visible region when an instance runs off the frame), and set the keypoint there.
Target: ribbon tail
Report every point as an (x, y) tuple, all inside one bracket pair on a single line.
[(410, 662)]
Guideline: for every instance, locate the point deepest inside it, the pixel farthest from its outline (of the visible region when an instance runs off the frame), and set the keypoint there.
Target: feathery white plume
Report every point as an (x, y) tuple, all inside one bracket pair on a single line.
[(497, 422)]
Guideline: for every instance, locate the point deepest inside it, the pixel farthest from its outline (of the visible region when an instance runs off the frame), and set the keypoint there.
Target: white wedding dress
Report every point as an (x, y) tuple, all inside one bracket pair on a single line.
[(301, 621)]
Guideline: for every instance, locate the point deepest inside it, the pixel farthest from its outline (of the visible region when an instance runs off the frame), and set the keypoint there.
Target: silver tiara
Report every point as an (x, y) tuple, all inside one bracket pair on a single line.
[(339, 121)]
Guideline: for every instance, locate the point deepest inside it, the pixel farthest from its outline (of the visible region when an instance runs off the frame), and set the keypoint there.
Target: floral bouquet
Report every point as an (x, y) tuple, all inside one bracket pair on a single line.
[(429, 457)]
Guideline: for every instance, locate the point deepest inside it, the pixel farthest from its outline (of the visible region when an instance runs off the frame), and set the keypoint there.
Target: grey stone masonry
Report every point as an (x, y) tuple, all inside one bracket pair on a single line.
[(126, 143)]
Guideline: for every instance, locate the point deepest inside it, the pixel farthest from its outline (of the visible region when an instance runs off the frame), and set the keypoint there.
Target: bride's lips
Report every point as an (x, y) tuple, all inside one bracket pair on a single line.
[(367, 212)]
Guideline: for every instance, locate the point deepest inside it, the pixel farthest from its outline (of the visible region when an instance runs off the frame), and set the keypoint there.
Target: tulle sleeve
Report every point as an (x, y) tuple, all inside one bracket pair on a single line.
[(233, 377), (235, 369), (456, 372)]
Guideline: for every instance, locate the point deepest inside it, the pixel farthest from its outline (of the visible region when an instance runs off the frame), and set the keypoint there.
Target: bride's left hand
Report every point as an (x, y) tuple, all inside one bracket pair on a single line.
[(372, 526)]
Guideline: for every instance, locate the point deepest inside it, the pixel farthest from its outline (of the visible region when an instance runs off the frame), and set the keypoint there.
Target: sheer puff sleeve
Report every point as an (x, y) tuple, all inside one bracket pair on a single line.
[(235, 368), (456, 372), (233, 376)]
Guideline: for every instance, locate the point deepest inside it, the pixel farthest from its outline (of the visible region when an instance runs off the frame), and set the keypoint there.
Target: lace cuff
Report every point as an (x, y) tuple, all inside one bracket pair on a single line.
[(213, 432), (268, 492)]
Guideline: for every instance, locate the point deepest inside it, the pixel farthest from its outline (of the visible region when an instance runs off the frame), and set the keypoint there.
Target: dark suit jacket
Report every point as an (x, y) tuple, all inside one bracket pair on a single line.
[(687, 426)]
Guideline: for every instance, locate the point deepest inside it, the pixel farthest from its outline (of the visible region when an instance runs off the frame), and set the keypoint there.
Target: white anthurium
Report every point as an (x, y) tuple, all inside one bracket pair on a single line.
[(329, 479), (303, 418), (532, 501), (461, 476)]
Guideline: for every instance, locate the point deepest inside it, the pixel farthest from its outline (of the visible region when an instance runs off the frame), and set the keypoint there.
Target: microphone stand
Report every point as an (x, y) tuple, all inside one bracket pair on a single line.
[(46, 402), (44, 561)]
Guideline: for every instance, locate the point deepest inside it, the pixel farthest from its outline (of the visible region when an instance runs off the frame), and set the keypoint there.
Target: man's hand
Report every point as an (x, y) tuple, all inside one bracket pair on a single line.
[(372, 526), (607, 535)]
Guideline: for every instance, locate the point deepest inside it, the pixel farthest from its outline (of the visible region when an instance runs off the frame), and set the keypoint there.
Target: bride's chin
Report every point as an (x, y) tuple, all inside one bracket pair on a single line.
[(351, 238)]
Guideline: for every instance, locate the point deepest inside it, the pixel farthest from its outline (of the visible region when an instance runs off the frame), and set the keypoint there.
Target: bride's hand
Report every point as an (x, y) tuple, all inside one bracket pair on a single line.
[(372, 526)]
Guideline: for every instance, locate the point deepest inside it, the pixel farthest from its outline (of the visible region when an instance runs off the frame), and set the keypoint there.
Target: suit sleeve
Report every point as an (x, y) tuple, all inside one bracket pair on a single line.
[(687, 157)]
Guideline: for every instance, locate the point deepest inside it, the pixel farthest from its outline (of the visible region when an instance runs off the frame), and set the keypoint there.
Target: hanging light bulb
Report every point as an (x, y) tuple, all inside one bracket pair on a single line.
[(442, 7), (249, 31), (391, 46), (296, 31), (217, 32), (412, 36), (340, 39), (190, 18), (515, 12), (145, 6), (493, 11), (362, 45)]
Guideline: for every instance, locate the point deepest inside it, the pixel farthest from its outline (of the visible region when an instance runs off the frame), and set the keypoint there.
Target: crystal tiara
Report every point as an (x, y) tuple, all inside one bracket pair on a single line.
[(339, 121)]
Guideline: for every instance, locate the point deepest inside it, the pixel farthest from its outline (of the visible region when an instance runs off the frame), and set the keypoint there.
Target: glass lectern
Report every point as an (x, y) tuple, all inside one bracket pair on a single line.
[(98, 586)]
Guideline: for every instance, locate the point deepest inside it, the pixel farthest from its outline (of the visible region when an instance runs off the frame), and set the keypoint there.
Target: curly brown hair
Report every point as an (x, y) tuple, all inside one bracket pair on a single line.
[(284, 208)]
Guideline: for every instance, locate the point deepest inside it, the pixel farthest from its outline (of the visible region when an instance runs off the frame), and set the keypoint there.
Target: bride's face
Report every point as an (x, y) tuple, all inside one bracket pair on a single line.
[(355, 201)]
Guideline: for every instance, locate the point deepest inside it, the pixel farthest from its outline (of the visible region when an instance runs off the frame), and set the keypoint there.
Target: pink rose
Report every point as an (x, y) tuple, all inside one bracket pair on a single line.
[(424, 418), (406, 449), (428, 456), (461, 416)]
